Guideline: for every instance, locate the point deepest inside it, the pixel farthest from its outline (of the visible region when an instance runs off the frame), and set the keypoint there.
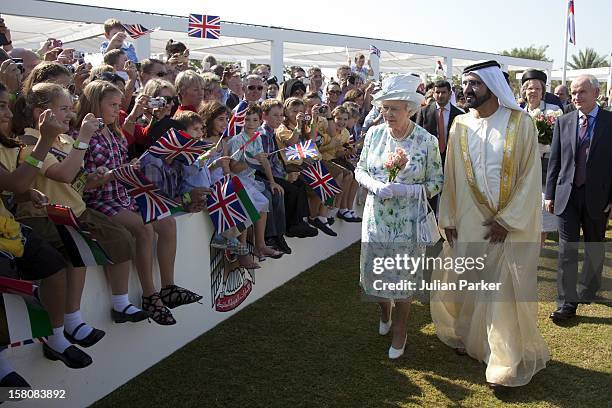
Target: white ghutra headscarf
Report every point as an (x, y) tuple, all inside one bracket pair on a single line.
[(494, 79)]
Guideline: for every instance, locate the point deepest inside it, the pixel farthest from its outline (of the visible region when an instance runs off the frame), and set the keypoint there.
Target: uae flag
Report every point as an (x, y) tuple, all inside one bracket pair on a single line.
[(81, 247), (23, 319)]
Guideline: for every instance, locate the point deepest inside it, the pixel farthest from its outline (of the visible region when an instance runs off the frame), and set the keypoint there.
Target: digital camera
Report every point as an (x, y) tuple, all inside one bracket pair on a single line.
[(19, 63), (101, 124), (158, 102), (323, 109)]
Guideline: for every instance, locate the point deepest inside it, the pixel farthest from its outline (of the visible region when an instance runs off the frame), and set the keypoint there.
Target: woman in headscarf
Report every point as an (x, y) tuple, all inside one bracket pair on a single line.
[(291, 87)]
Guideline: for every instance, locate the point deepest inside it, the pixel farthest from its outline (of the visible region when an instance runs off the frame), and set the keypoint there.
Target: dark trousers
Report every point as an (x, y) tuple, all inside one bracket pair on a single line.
[(570, 287), (296, 201), (275, 223)]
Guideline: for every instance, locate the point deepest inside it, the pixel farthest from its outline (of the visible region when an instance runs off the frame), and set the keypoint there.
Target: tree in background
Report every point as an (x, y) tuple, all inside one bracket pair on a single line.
[(531, 52), (587, 58)]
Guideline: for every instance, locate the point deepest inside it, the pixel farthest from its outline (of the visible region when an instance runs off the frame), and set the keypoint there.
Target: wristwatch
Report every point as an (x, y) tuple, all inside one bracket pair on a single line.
[(78, 145)]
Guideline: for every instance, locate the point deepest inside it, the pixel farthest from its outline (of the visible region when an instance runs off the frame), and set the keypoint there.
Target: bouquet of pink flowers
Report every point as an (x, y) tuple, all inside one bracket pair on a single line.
[(545, 123), (395, 162)]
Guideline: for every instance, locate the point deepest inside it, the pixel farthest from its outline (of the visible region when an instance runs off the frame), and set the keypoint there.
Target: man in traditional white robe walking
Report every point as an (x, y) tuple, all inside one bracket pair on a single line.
[(490, 208)]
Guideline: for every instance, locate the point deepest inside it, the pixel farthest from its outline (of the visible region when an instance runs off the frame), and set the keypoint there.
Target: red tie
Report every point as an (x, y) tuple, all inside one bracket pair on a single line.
[(441, 130)]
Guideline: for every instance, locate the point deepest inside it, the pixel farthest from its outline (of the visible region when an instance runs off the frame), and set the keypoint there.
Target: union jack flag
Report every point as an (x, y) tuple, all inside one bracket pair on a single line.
[(319, 179), (374, 50), (153, 206), (302, 150), (203, 26), (175, 144), (224, 205), (236, 123), (137, 30)]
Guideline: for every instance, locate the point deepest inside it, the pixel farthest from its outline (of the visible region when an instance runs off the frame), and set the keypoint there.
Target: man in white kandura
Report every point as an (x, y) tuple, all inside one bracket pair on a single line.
[(490, 209)]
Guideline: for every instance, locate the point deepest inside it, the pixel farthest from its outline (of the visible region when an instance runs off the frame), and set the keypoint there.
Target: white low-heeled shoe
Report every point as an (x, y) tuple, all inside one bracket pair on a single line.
[(397, 353), (384, 328)]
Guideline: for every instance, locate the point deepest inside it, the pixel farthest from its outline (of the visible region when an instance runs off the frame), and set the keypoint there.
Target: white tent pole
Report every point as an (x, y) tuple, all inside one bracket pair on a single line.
[(276, 53)]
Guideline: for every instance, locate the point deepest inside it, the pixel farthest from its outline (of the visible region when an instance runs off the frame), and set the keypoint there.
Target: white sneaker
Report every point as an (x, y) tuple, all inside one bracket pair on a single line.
[(397, 353)]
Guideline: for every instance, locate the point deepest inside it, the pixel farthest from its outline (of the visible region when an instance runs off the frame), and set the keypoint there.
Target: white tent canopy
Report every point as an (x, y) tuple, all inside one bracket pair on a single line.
[(33, 21)]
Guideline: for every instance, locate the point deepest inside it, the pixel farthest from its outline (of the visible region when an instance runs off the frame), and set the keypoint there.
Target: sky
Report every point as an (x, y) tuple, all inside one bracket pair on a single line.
[(480, 25)]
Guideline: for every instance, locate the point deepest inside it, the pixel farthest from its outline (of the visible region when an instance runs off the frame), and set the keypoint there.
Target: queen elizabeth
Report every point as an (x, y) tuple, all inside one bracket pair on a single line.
[(394, 203)]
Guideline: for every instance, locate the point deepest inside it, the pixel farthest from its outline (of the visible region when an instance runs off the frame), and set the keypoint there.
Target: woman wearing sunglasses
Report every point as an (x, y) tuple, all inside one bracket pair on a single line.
[(156, 103)]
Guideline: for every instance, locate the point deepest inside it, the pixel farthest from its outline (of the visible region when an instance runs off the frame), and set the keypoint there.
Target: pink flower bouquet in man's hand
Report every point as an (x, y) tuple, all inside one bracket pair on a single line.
[(395, 162)]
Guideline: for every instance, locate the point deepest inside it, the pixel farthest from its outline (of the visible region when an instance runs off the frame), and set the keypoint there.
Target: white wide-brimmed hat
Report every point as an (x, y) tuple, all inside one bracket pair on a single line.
[(399, 88)]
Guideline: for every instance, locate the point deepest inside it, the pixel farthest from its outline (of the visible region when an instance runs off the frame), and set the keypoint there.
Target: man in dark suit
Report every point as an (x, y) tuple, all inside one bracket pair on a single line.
[(429, 117), (580, 166), (437, 119)]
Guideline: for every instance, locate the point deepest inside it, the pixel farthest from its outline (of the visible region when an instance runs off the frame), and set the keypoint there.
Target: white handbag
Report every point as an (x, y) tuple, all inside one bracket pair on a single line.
[(428, 232)]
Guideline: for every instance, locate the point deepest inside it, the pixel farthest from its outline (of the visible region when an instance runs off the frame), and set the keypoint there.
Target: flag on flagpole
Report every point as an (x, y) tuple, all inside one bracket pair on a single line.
[(23, 319), (571, 24), (204, 26), (152, 205), (175, 144), (137, 30), (236, 122), (374, 50), (302, 150), (224, 205), (319, 179), (82, 249)]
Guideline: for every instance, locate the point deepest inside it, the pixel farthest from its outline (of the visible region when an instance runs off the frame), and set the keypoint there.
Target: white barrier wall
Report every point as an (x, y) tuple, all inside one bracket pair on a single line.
[(130, 348)]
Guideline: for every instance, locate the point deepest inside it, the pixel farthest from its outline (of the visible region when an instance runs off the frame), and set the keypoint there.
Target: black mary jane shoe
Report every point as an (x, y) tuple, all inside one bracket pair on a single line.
[(72, 357), (89, 340), (122, 317), (14, 380), (173, 296)]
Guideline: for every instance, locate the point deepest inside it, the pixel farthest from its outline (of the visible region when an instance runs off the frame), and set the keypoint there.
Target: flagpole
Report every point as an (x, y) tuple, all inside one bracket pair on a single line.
[(566, 40)]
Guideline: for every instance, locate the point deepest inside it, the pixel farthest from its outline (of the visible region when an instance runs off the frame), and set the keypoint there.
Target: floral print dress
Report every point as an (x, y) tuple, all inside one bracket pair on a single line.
[(389, 226)]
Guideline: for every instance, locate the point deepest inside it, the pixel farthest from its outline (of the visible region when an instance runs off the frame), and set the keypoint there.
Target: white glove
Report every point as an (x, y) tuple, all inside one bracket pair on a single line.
[(368, 182), (385, 192), (406, 190)]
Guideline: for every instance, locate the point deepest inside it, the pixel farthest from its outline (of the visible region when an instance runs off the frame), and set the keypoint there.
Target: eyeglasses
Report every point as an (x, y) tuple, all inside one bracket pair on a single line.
[(472, 83), (253, 87), (162, 74), (334, 92)]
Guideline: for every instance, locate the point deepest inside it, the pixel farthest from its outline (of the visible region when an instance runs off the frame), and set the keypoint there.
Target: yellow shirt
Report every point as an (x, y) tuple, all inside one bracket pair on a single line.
[(330, 151), (8, 160), (58, 193)]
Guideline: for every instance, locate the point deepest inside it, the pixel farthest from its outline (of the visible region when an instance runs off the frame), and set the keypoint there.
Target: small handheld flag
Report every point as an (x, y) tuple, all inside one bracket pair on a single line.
[(236, 122), (203, 26), (23, 319), (224, 205), (302, 150), (137, 30), (175, 144), (374, 50), (82, 249), (152, 206), (319, 179)]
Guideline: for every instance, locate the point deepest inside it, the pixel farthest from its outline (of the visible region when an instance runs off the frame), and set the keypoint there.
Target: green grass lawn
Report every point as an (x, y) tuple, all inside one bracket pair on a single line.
[(314, 343)]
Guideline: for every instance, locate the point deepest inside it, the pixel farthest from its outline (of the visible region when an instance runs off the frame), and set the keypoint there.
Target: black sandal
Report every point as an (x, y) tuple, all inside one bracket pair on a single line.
[(92, 338), (160, 314), (173, 296)]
